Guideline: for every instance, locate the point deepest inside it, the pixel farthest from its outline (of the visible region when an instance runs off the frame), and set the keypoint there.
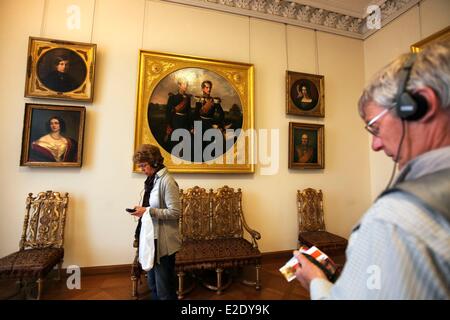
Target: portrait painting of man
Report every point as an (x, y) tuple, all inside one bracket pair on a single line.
[(59, 69), (199, 105), (305, 142), (199, 111), (306, 145)]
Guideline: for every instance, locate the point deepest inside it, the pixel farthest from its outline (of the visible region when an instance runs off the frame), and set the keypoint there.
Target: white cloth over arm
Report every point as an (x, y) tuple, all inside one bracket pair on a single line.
[(146, 242)]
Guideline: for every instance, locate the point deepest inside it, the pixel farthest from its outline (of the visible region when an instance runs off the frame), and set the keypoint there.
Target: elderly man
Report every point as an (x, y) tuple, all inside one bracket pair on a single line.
[(401, 247), (305, 152)]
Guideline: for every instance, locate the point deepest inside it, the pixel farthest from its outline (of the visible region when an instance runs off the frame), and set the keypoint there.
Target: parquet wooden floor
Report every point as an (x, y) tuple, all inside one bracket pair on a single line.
[(117, 286)]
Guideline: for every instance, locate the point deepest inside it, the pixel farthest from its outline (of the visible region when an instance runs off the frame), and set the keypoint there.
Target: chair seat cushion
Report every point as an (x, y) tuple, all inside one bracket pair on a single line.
[(216, 253), (323, 240), (30, 263)]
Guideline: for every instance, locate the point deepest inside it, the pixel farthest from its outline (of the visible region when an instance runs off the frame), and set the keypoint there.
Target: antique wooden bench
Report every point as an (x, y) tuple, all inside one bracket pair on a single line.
[(212, 229)]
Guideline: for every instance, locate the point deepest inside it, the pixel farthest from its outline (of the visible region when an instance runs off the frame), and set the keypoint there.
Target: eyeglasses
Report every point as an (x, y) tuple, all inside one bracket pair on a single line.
[(375, 130)]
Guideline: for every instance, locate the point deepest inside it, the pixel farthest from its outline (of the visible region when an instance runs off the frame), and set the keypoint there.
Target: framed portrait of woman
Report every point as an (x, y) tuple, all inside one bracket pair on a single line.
[(52, 136), (306, 146), (305, 94), (58, 69)]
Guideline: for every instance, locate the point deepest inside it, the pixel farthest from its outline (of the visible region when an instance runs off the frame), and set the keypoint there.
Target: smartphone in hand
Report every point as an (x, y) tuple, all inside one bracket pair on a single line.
[(130, 210)]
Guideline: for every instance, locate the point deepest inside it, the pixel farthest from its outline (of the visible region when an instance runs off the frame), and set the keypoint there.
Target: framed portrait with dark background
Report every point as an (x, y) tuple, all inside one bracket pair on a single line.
[(52, 136), (199, 112), (306, 146), (305, 94), (58, 69)]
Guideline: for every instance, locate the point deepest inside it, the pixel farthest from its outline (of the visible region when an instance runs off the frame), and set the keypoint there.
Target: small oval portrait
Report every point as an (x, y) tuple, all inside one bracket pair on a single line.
[(192, 112), (61, 70), (304, 94)]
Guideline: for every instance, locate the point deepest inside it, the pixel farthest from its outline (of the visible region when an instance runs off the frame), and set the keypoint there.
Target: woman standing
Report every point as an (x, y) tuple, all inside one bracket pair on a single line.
[(159, 213)]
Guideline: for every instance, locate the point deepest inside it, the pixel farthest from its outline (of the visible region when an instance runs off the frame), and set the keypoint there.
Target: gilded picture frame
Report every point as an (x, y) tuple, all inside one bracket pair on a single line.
[(305, 94), (52, 135), (306, 146), (198, 111), (59, 69), (442, 35)]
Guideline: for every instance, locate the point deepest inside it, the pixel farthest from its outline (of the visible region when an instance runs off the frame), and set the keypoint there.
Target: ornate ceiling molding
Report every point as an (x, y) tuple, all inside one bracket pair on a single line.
[(308, 16)]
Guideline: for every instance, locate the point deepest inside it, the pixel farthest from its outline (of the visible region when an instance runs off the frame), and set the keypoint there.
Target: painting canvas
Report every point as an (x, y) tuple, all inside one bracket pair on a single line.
[(305, 94), (198, 111), (59, 69), (306, 146), (52, 136)]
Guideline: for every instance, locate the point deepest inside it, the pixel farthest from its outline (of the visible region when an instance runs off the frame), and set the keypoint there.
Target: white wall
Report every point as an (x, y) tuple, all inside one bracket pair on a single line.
[(384, 46), (98, 232)]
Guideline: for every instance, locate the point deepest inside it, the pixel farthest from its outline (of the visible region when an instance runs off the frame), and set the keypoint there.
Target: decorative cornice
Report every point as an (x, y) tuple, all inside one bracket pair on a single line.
[(297, 14)]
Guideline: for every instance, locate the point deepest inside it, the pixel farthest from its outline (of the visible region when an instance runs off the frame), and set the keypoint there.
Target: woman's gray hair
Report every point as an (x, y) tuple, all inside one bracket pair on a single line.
[(431, 69)]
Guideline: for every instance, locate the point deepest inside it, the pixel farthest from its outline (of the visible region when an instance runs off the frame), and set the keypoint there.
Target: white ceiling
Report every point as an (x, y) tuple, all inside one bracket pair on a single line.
[(355, 8)]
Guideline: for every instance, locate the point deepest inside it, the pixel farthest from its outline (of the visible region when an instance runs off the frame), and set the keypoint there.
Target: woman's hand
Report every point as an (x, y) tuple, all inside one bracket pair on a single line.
[(307, 271), (139, 211)]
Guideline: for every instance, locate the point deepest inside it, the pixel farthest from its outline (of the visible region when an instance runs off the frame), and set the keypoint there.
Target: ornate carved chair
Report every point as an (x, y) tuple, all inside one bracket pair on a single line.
[(136, 271), (211, 226), (312, 226), (41, 245)]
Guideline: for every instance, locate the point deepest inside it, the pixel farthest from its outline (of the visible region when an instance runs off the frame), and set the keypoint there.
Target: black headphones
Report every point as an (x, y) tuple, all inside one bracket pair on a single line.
[(409, 107)]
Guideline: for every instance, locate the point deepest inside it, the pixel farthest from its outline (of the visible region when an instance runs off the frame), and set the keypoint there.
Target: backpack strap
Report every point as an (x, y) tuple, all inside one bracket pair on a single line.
[(432, 190)]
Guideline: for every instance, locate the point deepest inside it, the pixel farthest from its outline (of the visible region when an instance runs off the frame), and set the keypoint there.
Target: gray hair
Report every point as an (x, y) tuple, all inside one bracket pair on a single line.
[(431, 69)]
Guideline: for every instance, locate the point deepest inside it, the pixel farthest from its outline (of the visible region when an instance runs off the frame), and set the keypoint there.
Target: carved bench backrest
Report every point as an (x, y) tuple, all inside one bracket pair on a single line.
[(310, 210), (210, 215), (195, 219), (226, 213), (45, 218)]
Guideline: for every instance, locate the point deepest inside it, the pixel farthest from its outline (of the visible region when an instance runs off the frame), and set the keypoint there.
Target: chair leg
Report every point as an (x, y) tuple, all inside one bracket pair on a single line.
[(135, 287), (180, 285), (258, 281), (219, 280), (59, 271), (40, 282)]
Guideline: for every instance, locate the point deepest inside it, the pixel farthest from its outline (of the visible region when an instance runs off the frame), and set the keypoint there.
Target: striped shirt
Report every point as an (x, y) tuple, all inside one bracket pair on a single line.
[(400, 250)]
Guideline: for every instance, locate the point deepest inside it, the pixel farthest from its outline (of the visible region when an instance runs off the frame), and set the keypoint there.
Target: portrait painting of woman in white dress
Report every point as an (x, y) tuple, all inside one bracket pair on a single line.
[(54, 146), (53, 135)]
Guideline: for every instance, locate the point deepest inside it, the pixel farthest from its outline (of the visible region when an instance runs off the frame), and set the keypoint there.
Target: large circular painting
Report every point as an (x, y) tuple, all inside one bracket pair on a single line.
[(192, 113)]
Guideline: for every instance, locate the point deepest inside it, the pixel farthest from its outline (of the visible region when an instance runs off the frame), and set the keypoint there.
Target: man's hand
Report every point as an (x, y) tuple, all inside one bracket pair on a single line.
[(307, 271)]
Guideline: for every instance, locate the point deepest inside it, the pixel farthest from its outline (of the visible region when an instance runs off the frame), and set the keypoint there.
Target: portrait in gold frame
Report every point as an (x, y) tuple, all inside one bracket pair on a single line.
[(305, 94), (52, 135), (231, 87), (59, 69), (306, 146), (442, 35)]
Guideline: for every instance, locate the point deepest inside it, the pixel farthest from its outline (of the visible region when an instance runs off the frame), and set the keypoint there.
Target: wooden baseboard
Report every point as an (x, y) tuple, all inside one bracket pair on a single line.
[(124, 268), (89, 271)]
